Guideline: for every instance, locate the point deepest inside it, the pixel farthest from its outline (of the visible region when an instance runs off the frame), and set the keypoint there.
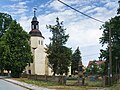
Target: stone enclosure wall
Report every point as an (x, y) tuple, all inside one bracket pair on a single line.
[(55, 79)]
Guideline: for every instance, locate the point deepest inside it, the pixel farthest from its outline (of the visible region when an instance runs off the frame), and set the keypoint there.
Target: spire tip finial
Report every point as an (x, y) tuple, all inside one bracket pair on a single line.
[(35, 11)]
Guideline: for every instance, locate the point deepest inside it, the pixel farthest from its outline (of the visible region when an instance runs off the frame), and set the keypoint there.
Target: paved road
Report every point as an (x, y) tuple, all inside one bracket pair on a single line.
[(4, 85)]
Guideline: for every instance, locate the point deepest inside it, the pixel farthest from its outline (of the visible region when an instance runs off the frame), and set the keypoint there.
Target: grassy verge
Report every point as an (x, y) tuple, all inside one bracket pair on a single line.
[(54, 85), (94, 83), (97, 83), (116, 86)]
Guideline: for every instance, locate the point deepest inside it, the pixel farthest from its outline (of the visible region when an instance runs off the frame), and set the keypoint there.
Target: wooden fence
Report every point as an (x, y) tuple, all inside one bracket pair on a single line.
[(107, 82)]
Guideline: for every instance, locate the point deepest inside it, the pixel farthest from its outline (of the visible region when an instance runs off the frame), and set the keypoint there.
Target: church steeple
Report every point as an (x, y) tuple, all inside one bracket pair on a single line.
[(35, 23), (35, 26)]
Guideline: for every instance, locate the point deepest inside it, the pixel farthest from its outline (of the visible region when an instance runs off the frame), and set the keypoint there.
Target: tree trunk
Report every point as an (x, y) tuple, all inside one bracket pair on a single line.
[(54, 74), (15, 74), (2, 72), (8, 73)]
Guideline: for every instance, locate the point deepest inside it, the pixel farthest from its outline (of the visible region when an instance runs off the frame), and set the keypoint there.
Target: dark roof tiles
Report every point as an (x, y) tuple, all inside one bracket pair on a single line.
[(35, 32)]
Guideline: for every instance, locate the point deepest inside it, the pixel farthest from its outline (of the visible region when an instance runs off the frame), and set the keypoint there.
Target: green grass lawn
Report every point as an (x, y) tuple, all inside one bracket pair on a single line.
[(97, 83), (56, 86), (115, 86)]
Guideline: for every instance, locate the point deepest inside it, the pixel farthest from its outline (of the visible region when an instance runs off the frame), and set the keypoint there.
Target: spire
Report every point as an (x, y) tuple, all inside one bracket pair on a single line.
[(35, 26), (118, 10), (35, 12), (34, 18)]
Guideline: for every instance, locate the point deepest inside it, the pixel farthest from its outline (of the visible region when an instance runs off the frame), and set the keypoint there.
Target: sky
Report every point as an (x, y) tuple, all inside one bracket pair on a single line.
[(83, 31)]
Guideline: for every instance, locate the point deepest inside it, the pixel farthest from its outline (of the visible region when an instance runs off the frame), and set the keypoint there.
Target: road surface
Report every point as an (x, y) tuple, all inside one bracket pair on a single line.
[(4, 85)]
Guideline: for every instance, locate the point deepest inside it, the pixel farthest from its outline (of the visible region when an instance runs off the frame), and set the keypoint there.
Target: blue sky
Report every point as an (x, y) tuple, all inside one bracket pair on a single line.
[(83, 31)]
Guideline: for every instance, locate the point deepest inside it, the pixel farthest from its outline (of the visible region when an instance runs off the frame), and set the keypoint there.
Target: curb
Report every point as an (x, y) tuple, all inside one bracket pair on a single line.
[(26, 85), (17, 84)]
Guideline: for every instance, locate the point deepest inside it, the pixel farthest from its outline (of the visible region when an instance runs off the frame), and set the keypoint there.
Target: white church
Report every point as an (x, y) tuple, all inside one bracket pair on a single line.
[(40, 60)]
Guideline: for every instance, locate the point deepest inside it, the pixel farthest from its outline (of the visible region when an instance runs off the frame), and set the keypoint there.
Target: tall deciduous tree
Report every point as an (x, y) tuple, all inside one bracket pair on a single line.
[(59, 55), (4, 54), (19, 51), (114, 25), (5, 20), (76, 58)]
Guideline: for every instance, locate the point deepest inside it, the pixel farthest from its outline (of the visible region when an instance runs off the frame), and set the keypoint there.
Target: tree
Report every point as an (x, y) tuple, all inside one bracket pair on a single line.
[(64, 60), (76, 58), (5, 20), (59, 56), (95, 69), (19, 51), (114, 25), (4, 50)]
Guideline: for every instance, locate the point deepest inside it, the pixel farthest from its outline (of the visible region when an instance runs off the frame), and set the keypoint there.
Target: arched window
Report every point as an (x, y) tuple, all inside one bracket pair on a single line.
[(39, 42), (37, 26), (32, 26)]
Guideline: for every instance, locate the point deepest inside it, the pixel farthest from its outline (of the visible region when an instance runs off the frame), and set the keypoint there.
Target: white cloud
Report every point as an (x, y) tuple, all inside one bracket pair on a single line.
[(111, 5), (14, 0), (22, 3), (56, 5), (82, 33), (60, 7), (25, 22), (17, 8)]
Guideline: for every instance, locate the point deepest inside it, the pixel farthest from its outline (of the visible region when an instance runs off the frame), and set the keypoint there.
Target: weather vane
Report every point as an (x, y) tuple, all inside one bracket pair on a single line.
[(35, 9)]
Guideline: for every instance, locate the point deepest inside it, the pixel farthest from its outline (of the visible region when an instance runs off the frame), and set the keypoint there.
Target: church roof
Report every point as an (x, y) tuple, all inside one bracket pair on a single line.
[(98, 62), (35, 32)]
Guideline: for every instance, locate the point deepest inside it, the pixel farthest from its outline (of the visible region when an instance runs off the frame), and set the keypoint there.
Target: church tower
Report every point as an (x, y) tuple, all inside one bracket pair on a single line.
[(37, 47)]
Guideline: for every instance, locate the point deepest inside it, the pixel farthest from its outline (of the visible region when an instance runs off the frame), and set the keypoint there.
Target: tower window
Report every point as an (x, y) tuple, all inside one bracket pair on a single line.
[(39, 42), (37, 27), (34, 26)]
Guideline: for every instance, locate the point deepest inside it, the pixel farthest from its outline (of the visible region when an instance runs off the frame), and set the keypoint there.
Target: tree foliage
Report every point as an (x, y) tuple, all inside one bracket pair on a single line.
[(17, 49), (76, 58), (4, 56), (114, 25), (59, 55), (95, 69), (6, 19)]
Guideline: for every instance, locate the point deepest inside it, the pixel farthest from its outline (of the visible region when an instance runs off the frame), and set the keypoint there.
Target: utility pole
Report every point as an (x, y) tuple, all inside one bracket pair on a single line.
[(110, 56), (110, 50)]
